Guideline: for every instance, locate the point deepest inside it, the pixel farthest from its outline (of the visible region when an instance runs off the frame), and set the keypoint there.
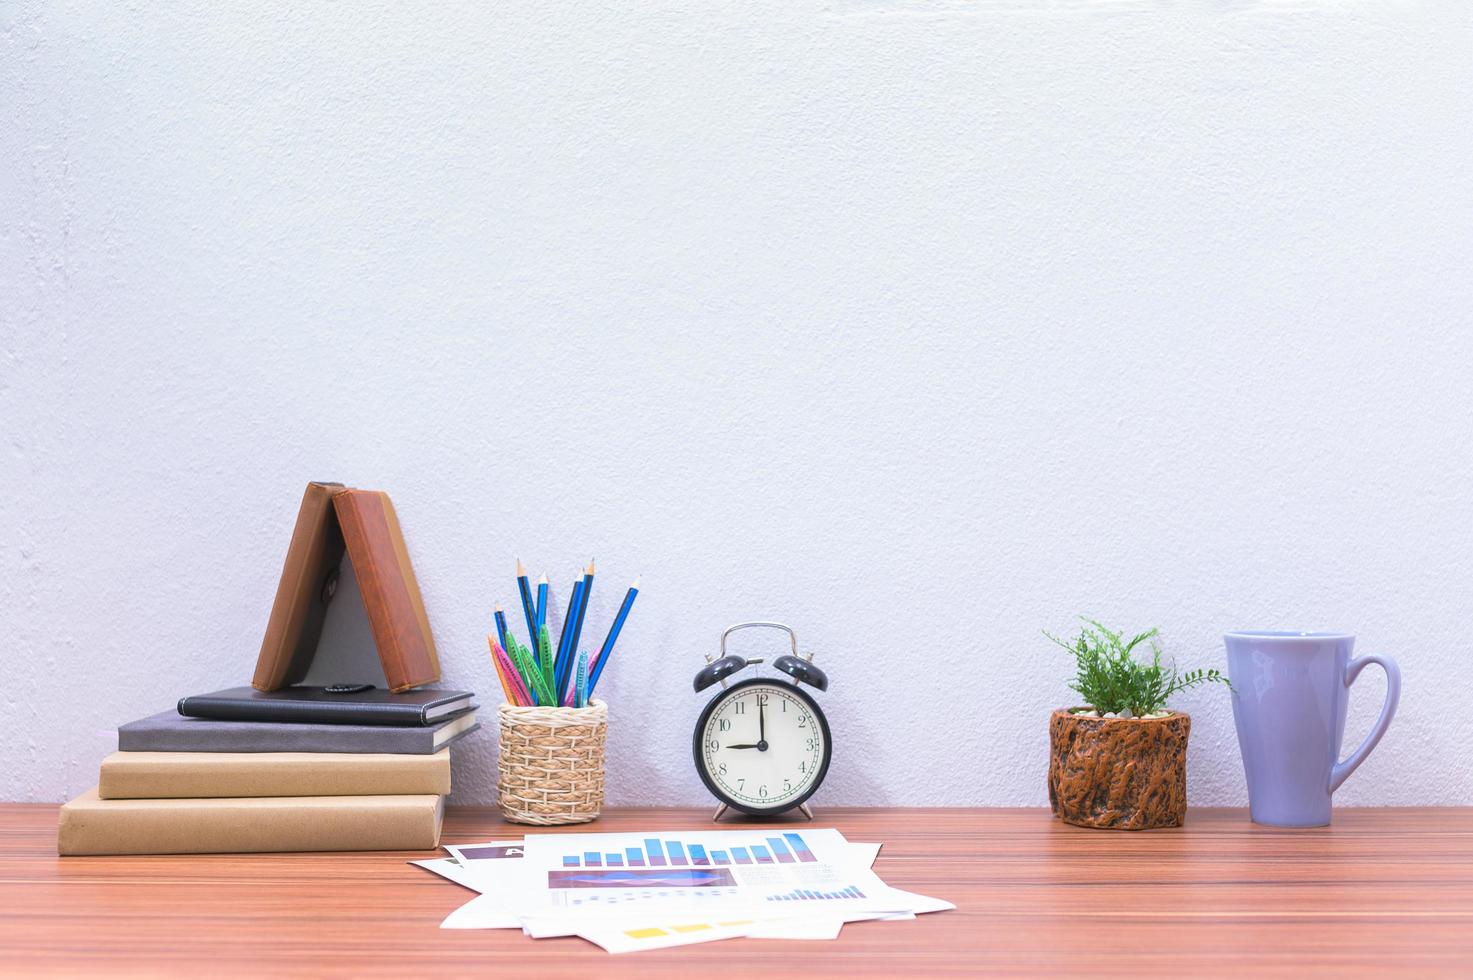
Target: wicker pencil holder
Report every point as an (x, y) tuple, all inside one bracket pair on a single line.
[(552, 763)]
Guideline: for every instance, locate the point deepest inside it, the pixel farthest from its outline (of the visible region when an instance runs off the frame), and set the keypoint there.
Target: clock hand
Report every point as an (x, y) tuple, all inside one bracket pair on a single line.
[(753, 746), (761, 722)]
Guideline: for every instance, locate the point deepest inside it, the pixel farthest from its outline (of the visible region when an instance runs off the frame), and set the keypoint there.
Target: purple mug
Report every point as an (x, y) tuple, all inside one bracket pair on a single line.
[(1290, 692)]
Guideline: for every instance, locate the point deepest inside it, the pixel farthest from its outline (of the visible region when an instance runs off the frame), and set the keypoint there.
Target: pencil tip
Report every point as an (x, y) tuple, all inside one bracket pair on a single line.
[(590, 566), (636, 582), (542, 580), (521, 569), (498, 607)]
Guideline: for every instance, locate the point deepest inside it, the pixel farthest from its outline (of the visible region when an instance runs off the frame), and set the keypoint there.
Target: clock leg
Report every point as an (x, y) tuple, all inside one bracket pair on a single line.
[(803, 809), (721, 812)]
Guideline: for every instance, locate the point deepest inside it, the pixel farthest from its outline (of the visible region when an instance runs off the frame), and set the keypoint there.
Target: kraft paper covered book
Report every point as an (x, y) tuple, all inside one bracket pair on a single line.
[(91, 825), (333, 519), (169, 731), (184, 775)]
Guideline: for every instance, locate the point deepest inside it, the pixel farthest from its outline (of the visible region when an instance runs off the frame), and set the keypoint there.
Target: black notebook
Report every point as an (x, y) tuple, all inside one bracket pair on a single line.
[(348, 705)]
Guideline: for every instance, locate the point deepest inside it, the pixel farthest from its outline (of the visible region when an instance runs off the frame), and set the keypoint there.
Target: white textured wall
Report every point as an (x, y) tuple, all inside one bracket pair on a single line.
[(919, 325)]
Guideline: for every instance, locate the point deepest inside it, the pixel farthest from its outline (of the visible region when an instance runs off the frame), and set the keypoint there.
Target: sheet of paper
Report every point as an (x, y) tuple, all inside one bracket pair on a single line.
[(760, 874), (449, 869), (482, 912)]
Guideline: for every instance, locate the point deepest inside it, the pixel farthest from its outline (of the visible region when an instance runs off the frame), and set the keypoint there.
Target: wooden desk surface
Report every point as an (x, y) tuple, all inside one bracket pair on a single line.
[(1381, 892)]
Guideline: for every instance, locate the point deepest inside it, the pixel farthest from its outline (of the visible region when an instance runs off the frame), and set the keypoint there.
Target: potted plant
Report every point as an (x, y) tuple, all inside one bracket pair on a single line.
[(1120, 761)]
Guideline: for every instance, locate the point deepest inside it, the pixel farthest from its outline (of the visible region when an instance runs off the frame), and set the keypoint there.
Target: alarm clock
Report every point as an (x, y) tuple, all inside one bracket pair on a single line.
[(762, 745)]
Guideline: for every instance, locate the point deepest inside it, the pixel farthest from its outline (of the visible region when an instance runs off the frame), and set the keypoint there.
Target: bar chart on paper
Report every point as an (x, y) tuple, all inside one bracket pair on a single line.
[(660, 852), (710, 869)]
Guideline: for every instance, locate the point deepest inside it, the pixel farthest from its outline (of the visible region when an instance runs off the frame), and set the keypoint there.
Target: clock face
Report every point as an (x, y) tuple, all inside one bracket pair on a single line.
[(762, 746)]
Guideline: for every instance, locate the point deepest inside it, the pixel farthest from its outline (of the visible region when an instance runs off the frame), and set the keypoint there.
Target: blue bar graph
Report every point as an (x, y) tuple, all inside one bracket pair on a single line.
[(809, 895), (800, 848), (657, 853)]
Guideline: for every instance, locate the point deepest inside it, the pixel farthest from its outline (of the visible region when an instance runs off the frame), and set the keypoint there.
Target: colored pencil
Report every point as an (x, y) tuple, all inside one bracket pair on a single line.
[(519, 690), (527, 610), (564, 645), (577, 626), (500, 626), (608, 647), (544, 647), (541, 616), (500, 675), (532, 675)]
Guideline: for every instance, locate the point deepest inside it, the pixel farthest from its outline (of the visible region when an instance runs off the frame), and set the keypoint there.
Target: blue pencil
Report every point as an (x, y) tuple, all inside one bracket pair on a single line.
[(564, 645), (501, 626), (527, 609), (582, 608), (608, 647), (541, 615)]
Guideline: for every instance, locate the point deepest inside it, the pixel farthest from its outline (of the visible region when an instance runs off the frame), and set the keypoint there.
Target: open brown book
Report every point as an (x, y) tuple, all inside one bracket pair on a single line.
[(333, 519)]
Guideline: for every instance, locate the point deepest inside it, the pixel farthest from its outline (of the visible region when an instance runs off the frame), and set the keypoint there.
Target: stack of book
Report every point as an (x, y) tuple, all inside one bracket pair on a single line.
[(298, 769)]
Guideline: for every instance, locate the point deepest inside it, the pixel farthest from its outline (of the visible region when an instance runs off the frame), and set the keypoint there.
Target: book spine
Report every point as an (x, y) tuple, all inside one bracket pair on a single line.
[(396, 740), (193, 775), (303, 712), (323, 823)]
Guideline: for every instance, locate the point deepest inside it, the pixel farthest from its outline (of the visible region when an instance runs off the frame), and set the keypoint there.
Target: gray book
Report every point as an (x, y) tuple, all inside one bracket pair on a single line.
[(169, 731)]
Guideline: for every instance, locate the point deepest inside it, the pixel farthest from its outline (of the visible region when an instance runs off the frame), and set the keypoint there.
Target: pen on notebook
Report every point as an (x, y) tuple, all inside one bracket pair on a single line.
[(608, 647), (541, 617), (564, 643), (527, 610)]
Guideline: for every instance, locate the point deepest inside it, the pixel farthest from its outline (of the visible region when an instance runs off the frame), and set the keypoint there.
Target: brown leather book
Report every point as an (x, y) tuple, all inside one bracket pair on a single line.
[(396, 612), (308, 580), (333, 519)]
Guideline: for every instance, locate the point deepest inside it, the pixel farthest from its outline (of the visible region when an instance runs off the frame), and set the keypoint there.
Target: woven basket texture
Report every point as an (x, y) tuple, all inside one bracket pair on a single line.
[(552, 763)]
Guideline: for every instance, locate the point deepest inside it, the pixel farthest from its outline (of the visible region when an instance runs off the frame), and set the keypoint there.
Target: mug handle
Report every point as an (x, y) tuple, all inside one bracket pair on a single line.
[(1340, 770)]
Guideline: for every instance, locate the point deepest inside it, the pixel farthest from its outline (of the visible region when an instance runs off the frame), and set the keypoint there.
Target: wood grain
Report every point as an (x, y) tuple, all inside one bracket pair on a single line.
[(1378, 893)]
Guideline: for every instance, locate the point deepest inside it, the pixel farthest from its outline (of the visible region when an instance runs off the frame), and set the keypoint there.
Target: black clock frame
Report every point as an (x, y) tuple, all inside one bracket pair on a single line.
[(823, 769)]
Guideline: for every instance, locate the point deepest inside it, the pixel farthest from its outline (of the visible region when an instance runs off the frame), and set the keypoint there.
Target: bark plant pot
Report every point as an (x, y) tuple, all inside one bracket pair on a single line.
[(1118, 773)]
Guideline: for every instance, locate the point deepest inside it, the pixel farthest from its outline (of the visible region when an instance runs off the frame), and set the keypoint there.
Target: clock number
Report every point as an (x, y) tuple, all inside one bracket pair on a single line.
[(785, 706), (813, 745), (803, 767), (761, 700), (721, 769), (725, 725), (742, 783), (803, 722), (740, 709), (787, 785), (713, 745), (762, 792)]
